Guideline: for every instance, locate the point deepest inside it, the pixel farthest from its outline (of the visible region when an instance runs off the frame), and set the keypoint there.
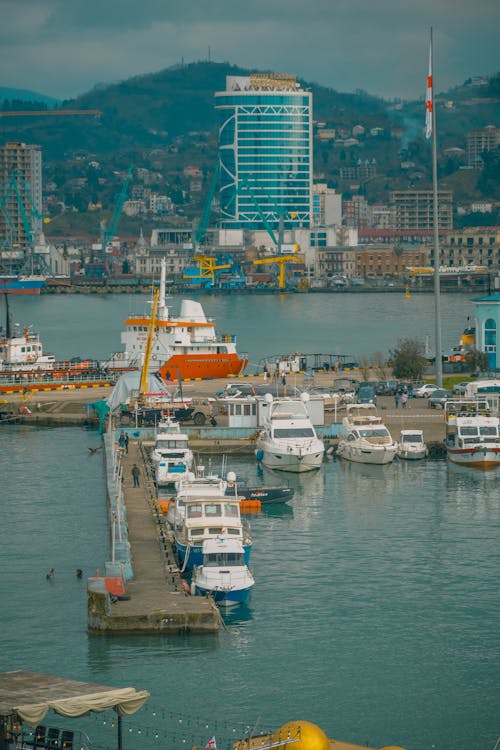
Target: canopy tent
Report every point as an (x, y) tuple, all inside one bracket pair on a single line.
[(28, 696), (127, 389)]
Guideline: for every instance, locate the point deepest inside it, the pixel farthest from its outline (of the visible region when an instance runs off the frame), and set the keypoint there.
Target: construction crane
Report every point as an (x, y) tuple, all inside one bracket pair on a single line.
[(209, 264), (199, 232), (143, 386), (109, 231), (281, 260)]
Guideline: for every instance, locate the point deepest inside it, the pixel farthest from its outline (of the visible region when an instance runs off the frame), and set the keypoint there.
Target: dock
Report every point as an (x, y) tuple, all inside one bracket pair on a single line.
[(154, 599)]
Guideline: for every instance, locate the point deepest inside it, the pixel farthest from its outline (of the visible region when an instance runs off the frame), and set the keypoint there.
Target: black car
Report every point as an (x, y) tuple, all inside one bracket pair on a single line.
[(438, 398)]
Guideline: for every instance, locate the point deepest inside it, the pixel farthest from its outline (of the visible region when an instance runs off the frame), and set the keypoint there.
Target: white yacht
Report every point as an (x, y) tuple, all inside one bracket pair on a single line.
[(288, 440), (171, 457), (368, 441), (411, 445), (473, 433), (223, 573)]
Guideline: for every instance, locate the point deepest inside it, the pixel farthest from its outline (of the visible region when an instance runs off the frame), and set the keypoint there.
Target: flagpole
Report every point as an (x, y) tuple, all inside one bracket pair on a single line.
[(435, 218)]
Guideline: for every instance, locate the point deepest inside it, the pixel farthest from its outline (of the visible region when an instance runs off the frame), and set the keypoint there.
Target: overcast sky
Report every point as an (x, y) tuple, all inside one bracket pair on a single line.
[(64, 47)]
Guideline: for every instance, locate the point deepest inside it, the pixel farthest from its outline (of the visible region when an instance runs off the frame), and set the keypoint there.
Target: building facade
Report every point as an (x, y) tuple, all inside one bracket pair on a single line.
[(21, 192), (414, 209), (265, 151), (473, 246), (479, 141)]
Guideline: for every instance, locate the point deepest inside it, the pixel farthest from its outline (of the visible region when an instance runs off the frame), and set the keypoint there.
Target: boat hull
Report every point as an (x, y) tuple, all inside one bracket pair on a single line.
[(476, 458), (376, 456), (289, 461), (225, 598), (265, 495), (192, 366), (412, 455), (17, 286)]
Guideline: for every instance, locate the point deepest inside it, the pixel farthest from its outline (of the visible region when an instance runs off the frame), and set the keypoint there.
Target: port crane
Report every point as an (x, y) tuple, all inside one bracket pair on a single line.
[(281, 260)]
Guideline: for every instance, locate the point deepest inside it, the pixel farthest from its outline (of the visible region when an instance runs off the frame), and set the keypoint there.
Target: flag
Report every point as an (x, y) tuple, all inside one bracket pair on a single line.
[(429, 99), (211, 744)]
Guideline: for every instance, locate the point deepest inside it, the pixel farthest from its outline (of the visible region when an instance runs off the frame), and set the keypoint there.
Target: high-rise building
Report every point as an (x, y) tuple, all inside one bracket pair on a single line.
[(266, 154), (414, 209), (21, 194), (479, 141)]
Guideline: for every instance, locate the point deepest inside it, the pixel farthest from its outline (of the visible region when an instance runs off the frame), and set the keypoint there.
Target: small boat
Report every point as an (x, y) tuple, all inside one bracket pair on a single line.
[(411, 445), (288, 441), (223, 573), (266, 495), (184, 347), (202, 511), (171, 457), (368, 441), (472, 433)]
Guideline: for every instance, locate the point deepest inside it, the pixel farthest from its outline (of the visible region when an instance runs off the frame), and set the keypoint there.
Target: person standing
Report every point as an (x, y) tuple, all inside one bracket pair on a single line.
[(404, 399), (136, 473), (396, 399), (126, 442)]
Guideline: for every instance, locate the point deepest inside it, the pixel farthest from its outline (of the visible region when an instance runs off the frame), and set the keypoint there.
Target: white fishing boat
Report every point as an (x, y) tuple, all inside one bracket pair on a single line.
[(288, 440), (367, 439), (472, 433), (184, 347), (223, 573), (411, 445), (171, 457)]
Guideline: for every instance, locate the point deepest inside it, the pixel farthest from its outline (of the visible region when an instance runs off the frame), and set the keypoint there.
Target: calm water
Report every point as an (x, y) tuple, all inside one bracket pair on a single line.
[(353, 324), (374, 615), (375, 611)]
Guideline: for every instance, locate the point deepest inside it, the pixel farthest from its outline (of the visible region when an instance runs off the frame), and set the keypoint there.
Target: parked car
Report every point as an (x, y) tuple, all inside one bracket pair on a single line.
[(366, 395), (386, 387), (425, 390), (439, 397)]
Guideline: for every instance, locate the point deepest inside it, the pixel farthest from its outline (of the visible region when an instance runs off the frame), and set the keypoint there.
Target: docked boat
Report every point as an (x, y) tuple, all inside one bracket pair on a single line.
[(203, 511), (472, 433), (411, 445), (288, 440), (21, 284), (367, 439), (265, 494), (171, 457), (184, 347), (223, 573)]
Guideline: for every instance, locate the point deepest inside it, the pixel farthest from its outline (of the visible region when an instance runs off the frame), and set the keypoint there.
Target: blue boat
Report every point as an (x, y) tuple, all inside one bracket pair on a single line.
[(206, 516), (21, 284), (223, 575)]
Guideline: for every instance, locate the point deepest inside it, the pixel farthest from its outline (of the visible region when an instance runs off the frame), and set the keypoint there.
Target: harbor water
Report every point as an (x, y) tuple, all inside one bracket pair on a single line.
[(375, 609)]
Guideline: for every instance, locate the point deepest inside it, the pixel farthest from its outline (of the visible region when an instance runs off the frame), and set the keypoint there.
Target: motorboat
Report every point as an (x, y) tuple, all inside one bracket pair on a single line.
[(207, 513), (184, 347), (411, 445), (195, 484), (223, 573), (472, 433), (367, 440), (288, 440), (171, 457)]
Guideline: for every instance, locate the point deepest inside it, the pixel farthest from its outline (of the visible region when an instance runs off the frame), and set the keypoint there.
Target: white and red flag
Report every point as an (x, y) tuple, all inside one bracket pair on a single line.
[(429, 99), (211, 744)]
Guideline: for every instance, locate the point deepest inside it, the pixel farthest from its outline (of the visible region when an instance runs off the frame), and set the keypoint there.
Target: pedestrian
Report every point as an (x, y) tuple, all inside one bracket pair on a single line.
[(126, 442), (404, 399), (396, 399), (136, 473), (121, 440), (283, 379)]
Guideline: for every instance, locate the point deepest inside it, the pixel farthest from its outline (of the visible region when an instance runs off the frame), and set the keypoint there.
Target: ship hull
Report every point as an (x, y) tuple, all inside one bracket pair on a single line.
[(192, 366), (20, 287)]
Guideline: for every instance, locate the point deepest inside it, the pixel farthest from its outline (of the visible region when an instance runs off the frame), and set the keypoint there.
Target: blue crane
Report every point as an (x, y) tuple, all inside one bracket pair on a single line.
[(199, 232)]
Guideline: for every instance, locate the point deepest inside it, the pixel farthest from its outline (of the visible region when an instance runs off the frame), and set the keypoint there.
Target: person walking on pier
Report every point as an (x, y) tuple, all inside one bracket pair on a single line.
[(136, 473), (126, 442)]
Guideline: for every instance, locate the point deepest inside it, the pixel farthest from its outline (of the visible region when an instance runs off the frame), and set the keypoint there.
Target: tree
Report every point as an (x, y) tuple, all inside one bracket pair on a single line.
[(407, 359)]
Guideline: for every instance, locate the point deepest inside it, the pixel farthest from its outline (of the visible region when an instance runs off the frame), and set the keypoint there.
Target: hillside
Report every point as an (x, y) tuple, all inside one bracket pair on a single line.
[(165, 121)]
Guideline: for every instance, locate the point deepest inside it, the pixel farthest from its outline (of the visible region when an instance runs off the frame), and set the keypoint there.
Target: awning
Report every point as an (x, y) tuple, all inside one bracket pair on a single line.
[(30, 695)]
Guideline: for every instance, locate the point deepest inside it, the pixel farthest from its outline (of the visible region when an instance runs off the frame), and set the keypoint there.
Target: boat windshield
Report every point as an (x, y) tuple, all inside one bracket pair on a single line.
[(162, 444), (416, 438), (377, 432), (466, 431), (488, 431), (293, 432), (217, 559)]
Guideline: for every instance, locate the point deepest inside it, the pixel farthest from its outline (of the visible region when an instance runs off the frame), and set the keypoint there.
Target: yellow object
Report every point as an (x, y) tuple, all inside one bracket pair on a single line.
[(281, 260), (143, 388), (407, 294), (307, 736)]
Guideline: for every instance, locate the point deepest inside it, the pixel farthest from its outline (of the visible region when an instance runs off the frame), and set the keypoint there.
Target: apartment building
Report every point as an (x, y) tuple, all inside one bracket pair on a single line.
[(414, 209), (479, 141), (21, 191)]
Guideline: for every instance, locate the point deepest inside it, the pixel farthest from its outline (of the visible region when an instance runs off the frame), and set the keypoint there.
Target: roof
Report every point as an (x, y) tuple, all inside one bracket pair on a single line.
[(488, 298), (30, 695)]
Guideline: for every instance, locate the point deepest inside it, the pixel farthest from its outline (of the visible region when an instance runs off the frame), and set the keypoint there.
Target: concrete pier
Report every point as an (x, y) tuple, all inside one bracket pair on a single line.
[(154, 600)]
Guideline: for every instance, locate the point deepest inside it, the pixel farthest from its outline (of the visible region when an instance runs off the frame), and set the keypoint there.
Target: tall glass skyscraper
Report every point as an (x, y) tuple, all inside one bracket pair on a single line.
[(265, 150)]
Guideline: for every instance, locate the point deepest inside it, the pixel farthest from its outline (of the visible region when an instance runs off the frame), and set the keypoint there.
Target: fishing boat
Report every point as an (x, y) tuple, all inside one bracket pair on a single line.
[(367, 439), (411, 445), (204, 512), (223, 573), (288, 440), (472, 433), (171, 457), (184, 347)]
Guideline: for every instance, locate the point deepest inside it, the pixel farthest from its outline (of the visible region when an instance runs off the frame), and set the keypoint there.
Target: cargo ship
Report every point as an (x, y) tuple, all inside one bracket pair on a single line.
[(184, 347), (21, 284)]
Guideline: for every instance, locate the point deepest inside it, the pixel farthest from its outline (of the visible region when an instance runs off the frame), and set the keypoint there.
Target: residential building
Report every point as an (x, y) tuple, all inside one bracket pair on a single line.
[(414, 209), (21, 183), (382, 261), (479, 141), (473, 246), (326, 206), (265, 150)]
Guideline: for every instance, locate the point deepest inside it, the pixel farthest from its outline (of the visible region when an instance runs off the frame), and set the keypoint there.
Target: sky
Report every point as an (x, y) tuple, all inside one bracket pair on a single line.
[(63, 48)]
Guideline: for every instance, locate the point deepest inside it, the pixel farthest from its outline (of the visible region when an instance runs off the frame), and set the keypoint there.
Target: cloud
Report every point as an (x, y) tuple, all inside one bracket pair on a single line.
[(63, 47)]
